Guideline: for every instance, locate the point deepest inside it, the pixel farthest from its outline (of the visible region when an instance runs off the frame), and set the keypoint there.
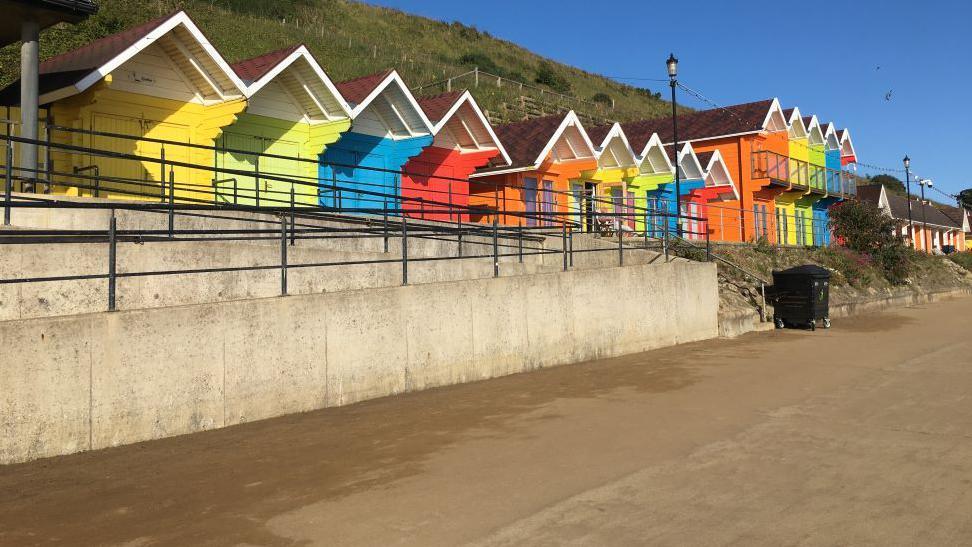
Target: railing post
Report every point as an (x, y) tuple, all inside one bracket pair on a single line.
[(162, 177), (519, 241), (256, 180), (293, 219), (404, 250), (665, 238), (47, 154), (646, 231), (495, 247), (459, 237), (570, 247), (171, 203), (384, 223), (283, 255), (236, 189), (620, 244), (112, 250), (708, 243), (8, 185), (563, 243)]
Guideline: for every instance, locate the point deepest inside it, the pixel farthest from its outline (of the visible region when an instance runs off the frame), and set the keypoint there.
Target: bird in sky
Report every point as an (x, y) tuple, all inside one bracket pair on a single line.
[(887, 96)]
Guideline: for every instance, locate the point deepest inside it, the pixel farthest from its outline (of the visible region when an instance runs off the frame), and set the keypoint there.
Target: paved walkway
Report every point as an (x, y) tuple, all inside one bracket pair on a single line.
[(858, 435)]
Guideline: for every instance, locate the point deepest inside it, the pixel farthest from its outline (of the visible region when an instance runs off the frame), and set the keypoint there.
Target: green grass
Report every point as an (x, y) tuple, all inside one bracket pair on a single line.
[(352, 39)]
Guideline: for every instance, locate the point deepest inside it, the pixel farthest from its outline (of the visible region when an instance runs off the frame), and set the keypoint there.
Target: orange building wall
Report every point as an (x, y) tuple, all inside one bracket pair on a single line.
[(734, 220), (504, 194)]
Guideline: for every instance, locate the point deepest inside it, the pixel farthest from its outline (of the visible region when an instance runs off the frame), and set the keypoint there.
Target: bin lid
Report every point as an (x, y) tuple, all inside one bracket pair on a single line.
[(811, 270)]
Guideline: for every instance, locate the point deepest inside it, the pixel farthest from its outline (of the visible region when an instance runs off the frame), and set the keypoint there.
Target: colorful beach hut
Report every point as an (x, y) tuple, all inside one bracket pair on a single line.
[(161, 80), (664, 198), (718, 188), (361, 172), (752, 139), (435, 183), (616, 163), (546, 155), (655, 168), (293, 112)]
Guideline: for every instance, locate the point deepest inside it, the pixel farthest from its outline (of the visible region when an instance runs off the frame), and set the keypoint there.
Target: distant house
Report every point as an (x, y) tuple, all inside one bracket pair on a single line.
[(931, 228), (961, 214)]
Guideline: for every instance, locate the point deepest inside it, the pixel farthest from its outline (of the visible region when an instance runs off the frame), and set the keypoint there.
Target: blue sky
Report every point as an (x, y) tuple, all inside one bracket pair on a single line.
[(838, 62)]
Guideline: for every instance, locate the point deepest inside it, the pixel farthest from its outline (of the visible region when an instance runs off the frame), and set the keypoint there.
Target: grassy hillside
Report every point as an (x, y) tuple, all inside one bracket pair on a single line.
[(351, 39)]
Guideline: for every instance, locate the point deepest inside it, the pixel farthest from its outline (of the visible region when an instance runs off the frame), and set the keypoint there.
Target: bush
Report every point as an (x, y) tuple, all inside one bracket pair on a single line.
[(480, 60), (864, 229), (602, 98), (547, 75)]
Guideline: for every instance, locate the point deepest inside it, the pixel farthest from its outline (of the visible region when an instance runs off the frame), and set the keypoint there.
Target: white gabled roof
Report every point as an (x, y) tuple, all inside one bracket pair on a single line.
[(845, 140), (300, 53), (180, 18), (797, 129), (393, 79), (570, 120), (775, 113), (617, 133), (814, 126), (688, 154), (655, 149), (467, 98), (716, 173)]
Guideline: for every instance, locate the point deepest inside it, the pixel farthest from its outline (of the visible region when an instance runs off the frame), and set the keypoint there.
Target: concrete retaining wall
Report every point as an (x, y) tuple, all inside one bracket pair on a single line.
[(90, 381)]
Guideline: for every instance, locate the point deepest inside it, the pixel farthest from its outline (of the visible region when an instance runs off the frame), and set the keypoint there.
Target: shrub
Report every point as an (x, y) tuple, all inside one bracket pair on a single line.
[(602, 98), (481, 60), (864, 229), (547, 75)]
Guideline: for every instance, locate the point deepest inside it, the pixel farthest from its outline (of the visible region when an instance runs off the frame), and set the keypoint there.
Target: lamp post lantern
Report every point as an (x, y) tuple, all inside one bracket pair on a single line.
[(911, 225), (672, 64)]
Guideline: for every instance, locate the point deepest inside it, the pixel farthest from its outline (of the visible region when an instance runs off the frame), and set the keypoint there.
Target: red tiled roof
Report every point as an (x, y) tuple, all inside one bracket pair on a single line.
[(357, 90), (807, 120), (717, 122), (787, 113), (255, 68), (102, 50), (525, 140), (704, 158), (436, 106), (840, 133)]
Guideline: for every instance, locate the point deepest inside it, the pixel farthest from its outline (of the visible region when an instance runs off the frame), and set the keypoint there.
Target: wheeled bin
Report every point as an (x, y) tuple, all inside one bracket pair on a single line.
[(801, 297)]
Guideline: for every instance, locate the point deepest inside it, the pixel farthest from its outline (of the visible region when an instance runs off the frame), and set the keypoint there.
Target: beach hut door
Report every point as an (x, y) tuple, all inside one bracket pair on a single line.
[(590, 193)]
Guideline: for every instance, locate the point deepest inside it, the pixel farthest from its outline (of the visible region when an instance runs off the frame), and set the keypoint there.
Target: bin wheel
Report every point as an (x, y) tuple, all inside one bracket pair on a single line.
[(813, 324), (826, 322), (779, 323)]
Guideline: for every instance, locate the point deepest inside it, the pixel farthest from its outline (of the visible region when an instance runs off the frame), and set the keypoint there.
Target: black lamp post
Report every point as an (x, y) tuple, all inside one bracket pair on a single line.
[(672, 63), (924, 219), (911, 225)]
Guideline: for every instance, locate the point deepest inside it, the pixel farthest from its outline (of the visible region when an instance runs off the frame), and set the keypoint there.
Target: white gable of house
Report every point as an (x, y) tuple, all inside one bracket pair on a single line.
[(465, 128), (615, 151), (654, 160), (173, 61), (569, 142), (297, 89), (390, 111)]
